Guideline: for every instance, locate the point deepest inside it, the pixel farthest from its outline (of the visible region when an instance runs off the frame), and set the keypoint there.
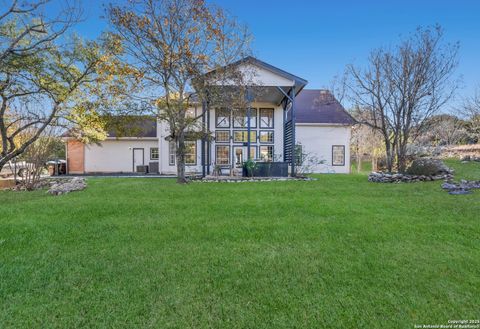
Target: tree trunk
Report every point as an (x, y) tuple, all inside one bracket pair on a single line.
[(359, 163), (402, 158), (180, 152), (389, 156)]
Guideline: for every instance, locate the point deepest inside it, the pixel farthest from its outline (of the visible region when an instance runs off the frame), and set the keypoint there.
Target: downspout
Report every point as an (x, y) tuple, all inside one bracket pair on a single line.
[(208, 142), (248, 96), (204, 132), (248, 133), (293, 131)]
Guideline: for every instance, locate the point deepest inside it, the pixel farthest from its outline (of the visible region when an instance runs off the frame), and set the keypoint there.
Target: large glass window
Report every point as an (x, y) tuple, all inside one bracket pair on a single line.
[(190, 153), (241, 136), (266, 118), (222, 136), (222, 118), (338, 155), (266, 153), (154, 153), (240, 118), (266, 136), (171, 153), (222, 154)]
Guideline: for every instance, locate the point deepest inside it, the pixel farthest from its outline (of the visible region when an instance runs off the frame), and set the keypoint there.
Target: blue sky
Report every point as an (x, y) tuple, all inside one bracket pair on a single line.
[(316, 39)]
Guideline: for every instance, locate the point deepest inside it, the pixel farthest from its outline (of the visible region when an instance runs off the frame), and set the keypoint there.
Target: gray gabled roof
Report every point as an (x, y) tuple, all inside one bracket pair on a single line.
[(136, 126), (139, 126), (300, 83), (321, 107)]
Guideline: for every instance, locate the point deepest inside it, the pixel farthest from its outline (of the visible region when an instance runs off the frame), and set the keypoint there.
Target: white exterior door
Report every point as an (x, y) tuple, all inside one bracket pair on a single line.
[(138, 158)]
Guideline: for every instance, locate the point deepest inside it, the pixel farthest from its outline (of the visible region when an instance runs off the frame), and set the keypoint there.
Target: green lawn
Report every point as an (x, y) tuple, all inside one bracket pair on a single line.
[(334, 253)]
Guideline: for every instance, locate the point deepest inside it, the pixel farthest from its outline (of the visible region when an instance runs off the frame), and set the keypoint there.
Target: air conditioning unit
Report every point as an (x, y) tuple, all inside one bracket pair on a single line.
[(142, 169), (153, 167)]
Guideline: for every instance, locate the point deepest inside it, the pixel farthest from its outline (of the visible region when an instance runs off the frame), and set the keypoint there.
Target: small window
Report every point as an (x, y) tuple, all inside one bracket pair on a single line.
[(154, 153), (338, 155), (190, 153), (222, 136), (266, 118), (222, 154), (222, 118), (240, 118), (171, 153), (266, 136), (241, 136), (266, 153)]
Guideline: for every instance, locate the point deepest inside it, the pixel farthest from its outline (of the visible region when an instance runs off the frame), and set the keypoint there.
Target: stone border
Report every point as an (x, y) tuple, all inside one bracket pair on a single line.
[(464, 187), (380, 177), (228, 179)]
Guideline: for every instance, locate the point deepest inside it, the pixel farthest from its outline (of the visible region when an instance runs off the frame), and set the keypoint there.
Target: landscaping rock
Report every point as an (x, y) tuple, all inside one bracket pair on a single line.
[(428, 167), (379, 177), (464, 187), (459, 192), (67, 186)]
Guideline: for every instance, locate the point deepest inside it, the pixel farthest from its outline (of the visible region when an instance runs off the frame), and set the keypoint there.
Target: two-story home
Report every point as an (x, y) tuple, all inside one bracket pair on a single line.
[(285, 119)]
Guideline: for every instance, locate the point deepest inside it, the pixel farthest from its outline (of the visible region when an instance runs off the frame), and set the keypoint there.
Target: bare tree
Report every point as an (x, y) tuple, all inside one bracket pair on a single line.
[(444, 129), (173, 44), (403, 87), (365, 139), (36, 156), (470, 110)]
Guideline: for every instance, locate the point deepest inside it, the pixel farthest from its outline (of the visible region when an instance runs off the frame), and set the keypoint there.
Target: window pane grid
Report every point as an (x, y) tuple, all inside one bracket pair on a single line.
[(240, 118), (266, 137), (241, 136), (171, 153), (222, 118), (190, 153), (222, 136), (222, 155), (266, 118), (338, 155), (266, 153), (154, 153)]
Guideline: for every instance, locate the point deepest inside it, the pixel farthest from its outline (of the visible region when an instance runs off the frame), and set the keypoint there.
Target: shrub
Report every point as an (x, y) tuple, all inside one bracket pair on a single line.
[(428, 167)]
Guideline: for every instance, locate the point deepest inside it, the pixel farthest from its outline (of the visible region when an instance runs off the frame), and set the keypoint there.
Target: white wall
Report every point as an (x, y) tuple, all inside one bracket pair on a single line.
[(258, 76), (318, 140), (116, 155)]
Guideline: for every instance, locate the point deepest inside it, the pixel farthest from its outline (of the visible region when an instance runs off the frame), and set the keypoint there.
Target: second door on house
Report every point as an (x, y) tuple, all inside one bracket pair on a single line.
[(240, 155), (138, 158)]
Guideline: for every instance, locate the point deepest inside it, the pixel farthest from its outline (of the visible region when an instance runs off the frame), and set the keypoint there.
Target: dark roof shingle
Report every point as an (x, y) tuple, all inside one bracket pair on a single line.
[(320, 106), (132, 126)]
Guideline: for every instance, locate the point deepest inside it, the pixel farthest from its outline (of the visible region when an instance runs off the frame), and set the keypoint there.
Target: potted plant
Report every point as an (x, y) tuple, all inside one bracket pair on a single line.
[(249, 167)]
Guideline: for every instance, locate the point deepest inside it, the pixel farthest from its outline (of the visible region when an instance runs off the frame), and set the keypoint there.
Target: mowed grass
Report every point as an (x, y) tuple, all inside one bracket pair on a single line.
[(147, 253)]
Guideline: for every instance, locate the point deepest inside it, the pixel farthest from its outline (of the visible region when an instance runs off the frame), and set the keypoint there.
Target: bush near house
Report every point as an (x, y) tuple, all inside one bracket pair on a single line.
[(338, 252)]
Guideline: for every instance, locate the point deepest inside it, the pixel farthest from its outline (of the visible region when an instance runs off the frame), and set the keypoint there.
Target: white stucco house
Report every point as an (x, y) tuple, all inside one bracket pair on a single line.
[(286, 117)]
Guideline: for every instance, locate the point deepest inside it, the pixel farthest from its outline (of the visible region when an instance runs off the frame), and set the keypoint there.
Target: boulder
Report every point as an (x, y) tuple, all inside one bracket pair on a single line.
[(67, 186), (428, 167)]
